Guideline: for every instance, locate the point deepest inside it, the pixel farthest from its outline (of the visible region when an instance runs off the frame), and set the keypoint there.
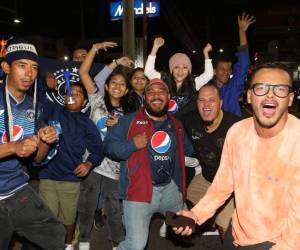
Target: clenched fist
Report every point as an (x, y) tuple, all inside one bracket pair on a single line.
[(140, 141), (26, 147)]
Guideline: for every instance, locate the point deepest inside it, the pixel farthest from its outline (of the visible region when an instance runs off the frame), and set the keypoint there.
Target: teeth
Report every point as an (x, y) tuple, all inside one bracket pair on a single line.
[(269, 105)]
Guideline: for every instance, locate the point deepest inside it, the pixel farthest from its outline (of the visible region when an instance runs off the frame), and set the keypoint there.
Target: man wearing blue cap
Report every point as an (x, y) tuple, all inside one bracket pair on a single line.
[(23, 139)]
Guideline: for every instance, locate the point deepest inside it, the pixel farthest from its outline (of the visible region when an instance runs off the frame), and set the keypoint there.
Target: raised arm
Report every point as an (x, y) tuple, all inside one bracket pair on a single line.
[(150, 71), (240, 68), (244, 22), (208, 73), (87, 63)]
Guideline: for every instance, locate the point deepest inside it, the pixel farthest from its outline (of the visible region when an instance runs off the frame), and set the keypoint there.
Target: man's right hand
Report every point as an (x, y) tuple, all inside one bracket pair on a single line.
[(140, 141), (26, 147), (244, 21), (187, 231)]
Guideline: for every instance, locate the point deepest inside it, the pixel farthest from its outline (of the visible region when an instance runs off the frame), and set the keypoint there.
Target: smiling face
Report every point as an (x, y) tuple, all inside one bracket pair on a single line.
[(116, 87), (269, 110), (157, 100), (21, 74), (138, 81), (209, 104), (222, 72), (180, 72)]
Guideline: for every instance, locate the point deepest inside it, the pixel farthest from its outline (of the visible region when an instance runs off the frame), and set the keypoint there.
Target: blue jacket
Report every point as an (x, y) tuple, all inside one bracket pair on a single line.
[(234, 88), (135, 178), (79, 134)]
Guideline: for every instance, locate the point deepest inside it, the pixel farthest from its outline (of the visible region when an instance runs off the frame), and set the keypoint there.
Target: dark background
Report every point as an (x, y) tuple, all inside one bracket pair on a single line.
[(186, 25)]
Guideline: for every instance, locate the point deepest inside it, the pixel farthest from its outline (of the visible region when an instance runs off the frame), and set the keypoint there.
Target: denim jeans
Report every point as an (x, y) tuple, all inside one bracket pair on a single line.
[(89, 194), (137, 215), (27, 215)]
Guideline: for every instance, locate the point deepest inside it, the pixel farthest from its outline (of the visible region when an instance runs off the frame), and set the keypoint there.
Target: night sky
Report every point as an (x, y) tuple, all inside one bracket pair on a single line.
[(213, 22)]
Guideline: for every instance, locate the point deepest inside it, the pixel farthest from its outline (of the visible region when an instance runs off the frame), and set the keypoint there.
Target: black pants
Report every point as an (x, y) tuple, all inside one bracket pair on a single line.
[(228, 243), (90, 189), (27, 215)]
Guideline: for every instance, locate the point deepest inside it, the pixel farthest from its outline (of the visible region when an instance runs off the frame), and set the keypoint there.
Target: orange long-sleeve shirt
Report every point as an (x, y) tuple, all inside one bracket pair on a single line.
[(264, 175)]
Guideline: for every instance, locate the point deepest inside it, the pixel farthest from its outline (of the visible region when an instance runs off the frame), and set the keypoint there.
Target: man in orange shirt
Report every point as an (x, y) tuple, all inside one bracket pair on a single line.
[(261, 164)]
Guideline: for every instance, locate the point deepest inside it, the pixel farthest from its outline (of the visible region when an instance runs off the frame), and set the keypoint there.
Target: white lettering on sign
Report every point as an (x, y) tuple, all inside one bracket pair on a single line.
[(150, 9)]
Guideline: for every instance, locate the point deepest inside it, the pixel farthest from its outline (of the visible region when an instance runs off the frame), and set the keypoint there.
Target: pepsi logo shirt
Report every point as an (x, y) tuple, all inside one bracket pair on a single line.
[(162, 150), (177, 103), (12, 175)]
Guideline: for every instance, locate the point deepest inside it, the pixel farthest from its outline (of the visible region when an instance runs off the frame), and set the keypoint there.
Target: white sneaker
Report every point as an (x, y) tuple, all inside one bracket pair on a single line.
[(163, 230), (84, 246), (216, 232), (69, 247)]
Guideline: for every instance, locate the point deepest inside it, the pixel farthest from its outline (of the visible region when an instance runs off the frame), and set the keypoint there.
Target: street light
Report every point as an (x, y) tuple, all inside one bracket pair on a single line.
[(17, 20)]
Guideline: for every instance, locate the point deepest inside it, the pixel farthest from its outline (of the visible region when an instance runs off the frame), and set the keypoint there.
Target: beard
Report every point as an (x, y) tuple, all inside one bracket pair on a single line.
[(268, 123), (159, 113)]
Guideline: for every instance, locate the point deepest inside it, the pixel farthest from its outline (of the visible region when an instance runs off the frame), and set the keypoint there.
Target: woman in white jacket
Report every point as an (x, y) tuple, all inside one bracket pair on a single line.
[(181, 84)]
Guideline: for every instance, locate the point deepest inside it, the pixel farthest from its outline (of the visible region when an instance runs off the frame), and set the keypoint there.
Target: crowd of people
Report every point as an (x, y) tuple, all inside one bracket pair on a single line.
[(149, 142)]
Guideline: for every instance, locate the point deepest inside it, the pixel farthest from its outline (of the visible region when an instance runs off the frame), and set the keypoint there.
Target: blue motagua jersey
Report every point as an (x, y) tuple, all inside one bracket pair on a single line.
[(12, 176)]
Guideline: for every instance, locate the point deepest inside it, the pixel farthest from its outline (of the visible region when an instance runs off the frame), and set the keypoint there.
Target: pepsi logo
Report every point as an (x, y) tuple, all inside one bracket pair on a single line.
[(160, 142), (17, 134), (173, 107)]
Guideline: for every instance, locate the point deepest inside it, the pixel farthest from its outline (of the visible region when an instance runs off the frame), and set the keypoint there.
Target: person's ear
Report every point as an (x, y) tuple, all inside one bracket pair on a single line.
[(249, 96), (291, 98), (5, 67)]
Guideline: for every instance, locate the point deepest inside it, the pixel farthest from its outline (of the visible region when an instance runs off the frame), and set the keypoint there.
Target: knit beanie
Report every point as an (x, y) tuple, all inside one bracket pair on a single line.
[(20, 49), (180, 58)]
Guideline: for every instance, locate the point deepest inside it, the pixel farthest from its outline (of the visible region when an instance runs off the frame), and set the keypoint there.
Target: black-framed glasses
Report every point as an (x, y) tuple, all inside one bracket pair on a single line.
[(280, 90)]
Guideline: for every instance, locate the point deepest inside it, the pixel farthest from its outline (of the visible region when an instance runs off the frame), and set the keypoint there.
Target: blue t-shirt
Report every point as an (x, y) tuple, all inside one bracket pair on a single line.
[(162, 152)]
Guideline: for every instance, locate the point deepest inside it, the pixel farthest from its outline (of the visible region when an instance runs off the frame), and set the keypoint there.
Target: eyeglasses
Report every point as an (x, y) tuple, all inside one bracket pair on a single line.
[(280, 90)]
